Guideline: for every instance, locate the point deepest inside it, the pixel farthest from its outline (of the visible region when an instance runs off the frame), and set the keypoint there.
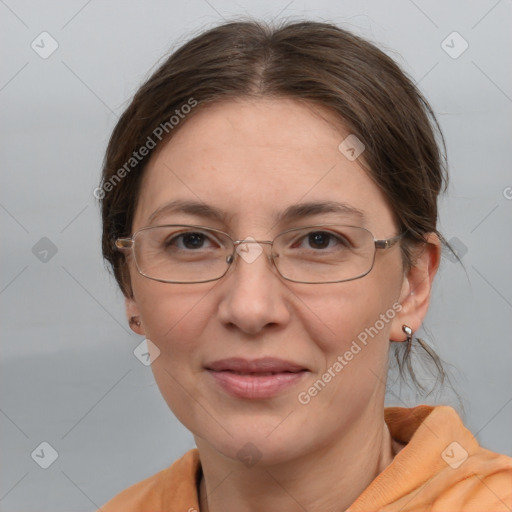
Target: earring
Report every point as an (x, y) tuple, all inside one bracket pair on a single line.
[(135, 320), (408, 332)]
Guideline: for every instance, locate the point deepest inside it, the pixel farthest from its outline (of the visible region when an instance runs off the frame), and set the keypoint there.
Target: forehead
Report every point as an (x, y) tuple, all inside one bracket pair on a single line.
[(254, 159)]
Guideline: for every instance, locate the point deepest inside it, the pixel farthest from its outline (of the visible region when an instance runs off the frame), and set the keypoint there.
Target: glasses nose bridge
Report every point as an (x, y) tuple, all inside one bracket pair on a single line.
[(237, 243), (247, 241)]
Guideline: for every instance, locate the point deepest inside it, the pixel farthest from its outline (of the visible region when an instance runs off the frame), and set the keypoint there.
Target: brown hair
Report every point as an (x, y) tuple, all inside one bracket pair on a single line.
[(318, 63)]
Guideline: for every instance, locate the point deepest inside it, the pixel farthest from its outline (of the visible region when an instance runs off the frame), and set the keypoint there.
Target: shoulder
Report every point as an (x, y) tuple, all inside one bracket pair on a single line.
[(175, 485), (441, 467), (482, 482)]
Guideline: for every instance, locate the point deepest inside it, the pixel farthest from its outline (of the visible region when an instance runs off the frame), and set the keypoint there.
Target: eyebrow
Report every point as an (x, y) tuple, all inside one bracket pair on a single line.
[(293, 212)]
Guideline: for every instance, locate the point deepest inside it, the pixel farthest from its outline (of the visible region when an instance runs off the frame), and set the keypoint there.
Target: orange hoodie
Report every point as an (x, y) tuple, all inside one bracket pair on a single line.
[(442, 468)]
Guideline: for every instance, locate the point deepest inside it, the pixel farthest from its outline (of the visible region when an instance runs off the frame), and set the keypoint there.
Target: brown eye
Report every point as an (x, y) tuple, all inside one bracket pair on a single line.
[(319, 240), (188, 240)]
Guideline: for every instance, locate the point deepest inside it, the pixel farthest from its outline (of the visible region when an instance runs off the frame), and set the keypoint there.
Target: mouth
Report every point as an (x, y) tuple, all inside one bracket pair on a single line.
[(255, 379), (256, 374)]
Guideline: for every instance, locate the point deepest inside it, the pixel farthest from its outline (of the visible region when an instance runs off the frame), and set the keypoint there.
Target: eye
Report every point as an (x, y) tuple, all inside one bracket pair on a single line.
[(190, 240), (319, 240)]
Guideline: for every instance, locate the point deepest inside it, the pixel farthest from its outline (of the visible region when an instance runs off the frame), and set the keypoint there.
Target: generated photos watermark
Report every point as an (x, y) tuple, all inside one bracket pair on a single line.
[(137, 156), (304, 397)]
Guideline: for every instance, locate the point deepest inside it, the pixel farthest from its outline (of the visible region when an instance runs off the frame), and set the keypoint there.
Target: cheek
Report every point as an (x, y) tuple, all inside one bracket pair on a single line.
[(173, 315), (353, 324), (353, 340), (345, 314), (174, 318)]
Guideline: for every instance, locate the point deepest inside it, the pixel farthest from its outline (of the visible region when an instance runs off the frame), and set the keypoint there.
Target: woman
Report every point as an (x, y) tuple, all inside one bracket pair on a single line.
[(269, 203)]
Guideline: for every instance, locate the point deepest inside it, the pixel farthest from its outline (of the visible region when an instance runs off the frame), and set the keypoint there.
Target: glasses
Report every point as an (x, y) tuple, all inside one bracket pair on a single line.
[(327, 253)]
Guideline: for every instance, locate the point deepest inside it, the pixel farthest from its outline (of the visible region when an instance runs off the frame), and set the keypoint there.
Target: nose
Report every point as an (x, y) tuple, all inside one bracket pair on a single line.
[(253, 293)]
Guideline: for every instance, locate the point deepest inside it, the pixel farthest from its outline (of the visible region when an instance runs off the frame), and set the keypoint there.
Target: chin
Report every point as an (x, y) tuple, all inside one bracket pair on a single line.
[(256, 446)]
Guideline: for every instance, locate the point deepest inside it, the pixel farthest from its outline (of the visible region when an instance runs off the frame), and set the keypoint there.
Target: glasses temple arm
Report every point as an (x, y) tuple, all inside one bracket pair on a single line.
[(123, 243), (386, 244)]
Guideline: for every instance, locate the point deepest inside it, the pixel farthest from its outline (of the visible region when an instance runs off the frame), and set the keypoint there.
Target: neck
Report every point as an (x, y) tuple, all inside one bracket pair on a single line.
[(331, 478)]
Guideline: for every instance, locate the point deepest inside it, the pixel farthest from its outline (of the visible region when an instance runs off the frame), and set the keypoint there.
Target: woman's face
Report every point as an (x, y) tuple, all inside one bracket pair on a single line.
[(252, 160)]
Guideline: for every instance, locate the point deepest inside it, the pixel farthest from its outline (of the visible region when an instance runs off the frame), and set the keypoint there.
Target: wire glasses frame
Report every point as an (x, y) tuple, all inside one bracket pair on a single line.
[(233, 247)]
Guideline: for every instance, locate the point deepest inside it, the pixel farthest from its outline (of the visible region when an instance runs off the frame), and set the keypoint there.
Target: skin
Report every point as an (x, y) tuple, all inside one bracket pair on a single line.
[(253, 158)]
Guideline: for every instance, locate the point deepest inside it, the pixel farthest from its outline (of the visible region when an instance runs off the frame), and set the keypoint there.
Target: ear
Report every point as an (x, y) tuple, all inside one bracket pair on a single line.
[(132, 310), (417, 287)]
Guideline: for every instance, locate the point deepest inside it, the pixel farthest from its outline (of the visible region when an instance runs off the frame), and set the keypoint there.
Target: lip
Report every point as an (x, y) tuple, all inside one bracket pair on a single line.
[(255, 379)]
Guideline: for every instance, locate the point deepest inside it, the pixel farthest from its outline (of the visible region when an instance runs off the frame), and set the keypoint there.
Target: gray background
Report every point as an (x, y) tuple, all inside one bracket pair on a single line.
[(69, 376)]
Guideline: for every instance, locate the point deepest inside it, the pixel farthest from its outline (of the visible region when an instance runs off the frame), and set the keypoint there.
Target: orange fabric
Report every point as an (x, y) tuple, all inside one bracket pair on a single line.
[(431, 473)]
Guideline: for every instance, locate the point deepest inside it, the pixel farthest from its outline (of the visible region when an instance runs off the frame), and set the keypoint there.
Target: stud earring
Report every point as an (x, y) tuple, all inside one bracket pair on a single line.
[(135, 320)]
